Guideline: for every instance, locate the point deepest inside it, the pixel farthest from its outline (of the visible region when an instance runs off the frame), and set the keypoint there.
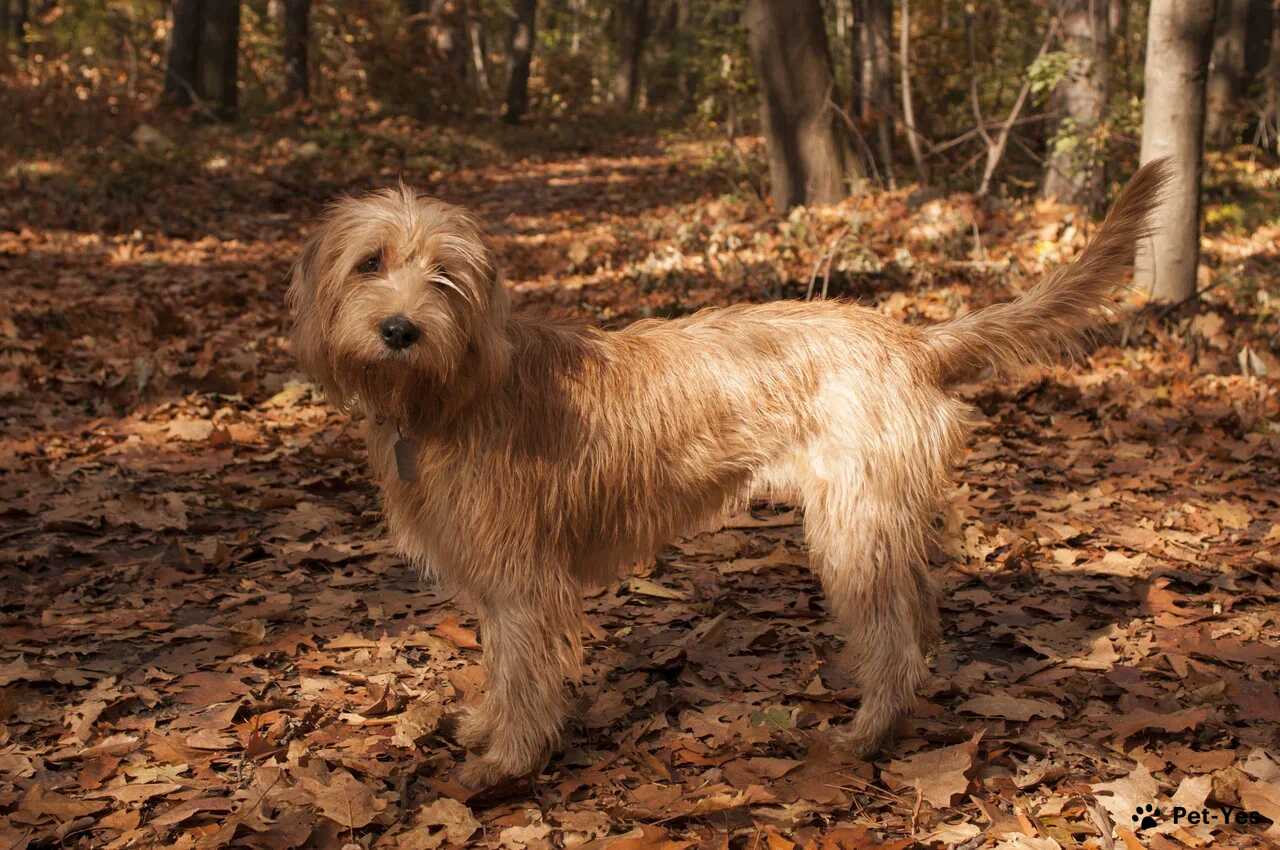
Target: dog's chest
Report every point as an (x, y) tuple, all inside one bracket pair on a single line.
[(442, 509)]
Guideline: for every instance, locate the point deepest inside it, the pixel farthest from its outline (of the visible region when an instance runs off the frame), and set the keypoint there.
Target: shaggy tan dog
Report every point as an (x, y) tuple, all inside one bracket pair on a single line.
[(521, 459)]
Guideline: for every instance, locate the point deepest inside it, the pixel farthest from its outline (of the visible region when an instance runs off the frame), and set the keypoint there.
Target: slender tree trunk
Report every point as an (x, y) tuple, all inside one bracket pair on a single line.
[(809, 160), (1226, 71), (1073, 173), (220, 57), (1179, 37), (448, 32), (877, 77), (857, 58), (520, 53), (687, 78), (1271, 120), (577, 11), (661, 79), (415, 18), (846, 46), (441, 27), (1118, 37), (633, 29), (415, 12), (180, 78), (479, 47), (1257, 40), (21, 23), (297, 20), (908, 110), (1117, 18)]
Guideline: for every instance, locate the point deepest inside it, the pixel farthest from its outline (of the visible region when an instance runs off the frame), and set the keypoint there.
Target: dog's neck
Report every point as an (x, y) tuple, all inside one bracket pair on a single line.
[(497, 368)]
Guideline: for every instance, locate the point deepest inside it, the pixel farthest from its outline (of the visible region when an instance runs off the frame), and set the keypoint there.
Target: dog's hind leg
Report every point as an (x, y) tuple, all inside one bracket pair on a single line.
[(532, 638), (867, 543)]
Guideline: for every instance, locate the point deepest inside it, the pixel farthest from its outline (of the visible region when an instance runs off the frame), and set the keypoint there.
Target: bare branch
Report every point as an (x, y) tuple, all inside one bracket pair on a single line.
[(996, 147)]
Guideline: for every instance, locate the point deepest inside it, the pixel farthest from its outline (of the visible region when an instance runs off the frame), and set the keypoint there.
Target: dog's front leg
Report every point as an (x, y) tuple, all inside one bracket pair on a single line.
[(532, 638)]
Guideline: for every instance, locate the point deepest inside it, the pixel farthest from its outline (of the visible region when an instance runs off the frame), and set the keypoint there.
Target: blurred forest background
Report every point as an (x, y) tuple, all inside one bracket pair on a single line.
[(1028, 96), (205, 640)]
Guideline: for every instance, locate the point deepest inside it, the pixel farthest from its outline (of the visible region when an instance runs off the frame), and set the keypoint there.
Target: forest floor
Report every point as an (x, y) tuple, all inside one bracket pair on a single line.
[(206, 642)]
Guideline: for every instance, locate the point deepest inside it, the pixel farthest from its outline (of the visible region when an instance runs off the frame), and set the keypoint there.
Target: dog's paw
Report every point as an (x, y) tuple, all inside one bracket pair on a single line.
[(860, 744), (484, 772), (474, 728)]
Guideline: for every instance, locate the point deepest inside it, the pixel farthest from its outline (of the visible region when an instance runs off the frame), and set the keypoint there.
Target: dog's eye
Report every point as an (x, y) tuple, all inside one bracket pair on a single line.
[(371, 264)]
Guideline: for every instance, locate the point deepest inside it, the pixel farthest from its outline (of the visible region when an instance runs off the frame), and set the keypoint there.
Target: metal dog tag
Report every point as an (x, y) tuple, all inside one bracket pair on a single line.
[(406, 459)]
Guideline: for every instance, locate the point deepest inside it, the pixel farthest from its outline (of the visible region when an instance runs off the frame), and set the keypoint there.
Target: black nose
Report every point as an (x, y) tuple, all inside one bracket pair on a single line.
[(398, 332)]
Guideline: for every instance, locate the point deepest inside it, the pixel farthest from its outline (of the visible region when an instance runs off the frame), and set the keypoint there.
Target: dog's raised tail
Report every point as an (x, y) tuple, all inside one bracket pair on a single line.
[(1052, 317)]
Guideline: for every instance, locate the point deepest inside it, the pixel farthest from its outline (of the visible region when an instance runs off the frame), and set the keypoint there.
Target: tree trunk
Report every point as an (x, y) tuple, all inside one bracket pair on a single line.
[(1271, 119), (1179, 36), (21, 22), (1117, 19), (219, 57), (1073, 173), (180, 83), (685, 76), (449, 35), (1257, 41), (908, 108), (877, 77), (297, 20), (479, 46), (520, 53), (1121, 50), (633, 29), (441, 27), (1226, 71), (857, 47), (666, 54), (809, 161), (415, 13)]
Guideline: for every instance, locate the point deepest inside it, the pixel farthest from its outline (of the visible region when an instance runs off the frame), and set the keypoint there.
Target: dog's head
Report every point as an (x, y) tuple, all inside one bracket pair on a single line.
[(396, 301)]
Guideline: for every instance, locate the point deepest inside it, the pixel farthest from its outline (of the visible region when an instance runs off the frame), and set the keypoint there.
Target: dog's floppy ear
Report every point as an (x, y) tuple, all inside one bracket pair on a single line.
[(490, 340), (309, 338), (302, 277), (499, 301)]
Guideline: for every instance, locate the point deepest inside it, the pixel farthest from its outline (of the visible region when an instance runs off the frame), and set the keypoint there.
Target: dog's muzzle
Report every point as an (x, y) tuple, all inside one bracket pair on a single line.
[(398, 332)]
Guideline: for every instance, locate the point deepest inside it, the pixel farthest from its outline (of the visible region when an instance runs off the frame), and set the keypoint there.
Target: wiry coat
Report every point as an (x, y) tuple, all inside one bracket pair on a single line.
[(535, 457)]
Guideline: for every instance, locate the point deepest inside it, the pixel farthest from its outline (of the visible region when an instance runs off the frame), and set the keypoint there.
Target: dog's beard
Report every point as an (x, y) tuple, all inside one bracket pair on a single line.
[(404, 387), (455, 359)]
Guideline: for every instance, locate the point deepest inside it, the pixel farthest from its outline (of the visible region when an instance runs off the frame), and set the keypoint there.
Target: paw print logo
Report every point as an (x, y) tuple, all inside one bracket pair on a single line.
[(1145, 817)]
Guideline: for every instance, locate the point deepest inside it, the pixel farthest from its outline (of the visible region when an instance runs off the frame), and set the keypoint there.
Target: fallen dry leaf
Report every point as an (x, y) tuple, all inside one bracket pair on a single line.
[(344, 800), (1122, 797), (443, 821), (1009, 707), (938, 775), (451, 630), (645, 587), (1264, 798), (418, 720), (139, 793), (39, 802), (1140, 719)]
